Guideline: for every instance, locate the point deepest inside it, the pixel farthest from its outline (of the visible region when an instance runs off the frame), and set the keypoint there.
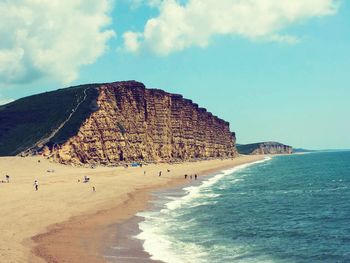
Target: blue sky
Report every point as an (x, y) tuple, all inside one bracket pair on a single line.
[(285, 80)]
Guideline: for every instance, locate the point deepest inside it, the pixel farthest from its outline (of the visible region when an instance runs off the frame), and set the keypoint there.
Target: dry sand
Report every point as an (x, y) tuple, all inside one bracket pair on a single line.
[(65, 221)]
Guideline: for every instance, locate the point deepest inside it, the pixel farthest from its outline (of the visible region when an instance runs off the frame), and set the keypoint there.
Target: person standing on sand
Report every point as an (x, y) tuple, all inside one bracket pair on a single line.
[(36, 185), (160, 174), (7, 178), (195, 177), (93, 189), (185, 176)]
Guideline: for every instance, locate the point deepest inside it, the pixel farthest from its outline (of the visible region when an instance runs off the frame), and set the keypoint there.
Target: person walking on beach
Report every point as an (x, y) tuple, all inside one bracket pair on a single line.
[(185, 176), (195, 177), (7, 178), (160, 174), (93, 189), (36, 185), (191, 176)]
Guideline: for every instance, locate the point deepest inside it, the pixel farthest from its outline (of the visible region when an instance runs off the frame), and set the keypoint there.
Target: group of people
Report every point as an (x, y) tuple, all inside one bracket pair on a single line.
[(186, 176), (86, 180), (7, 179), (160, 172), (36, 184), (191, 177)]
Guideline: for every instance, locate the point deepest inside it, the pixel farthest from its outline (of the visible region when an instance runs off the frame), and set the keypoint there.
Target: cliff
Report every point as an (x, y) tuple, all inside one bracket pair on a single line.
[(119, 122), (264, 148)]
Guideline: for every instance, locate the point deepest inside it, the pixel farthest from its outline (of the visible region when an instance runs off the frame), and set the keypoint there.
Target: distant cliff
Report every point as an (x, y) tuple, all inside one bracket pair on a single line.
[(113, 123), (264, 148)]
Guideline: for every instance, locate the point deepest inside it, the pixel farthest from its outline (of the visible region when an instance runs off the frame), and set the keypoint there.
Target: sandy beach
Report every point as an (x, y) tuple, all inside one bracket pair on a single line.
[(65, 220)]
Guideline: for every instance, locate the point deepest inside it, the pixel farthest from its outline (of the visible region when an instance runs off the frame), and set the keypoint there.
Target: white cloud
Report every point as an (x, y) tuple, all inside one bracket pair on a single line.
[(131, 41), (179, 26), (42, 38), (150, 3)]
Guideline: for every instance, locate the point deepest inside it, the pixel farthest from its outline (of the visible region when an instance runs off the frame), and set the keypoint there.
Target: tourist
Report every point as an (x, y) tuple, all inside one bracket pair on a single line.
[(93, 189), (160, 174), (7, 178), (191, 176), (185, 176), (36, 185), (195, 177)]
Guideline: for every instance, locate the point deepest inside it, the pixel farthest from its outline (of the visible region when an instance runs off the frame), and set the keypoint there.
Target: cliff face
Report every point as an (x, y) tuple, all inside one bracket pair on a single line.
[(265, 148), (133, 123)]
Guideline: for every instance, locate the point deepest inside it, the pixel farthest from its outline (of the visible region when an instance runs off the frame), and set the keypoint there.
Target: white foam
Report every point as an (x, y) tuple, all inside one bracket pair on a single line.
[(193, 192), (167, 248)]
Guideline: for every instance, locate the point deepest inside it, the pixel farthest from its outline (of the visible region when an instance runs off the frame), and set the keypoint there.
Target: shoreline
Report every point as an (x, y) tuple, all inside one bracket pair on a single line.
[(128, 249), (101, 227), (130, 240), (65, 221), (107, 235), (125, 247)]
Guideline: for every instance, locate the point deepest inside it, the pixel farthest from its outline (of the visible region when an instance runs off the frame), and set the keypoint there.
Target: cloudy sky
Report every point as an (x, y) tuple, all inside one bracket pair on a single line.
[(276, 69)]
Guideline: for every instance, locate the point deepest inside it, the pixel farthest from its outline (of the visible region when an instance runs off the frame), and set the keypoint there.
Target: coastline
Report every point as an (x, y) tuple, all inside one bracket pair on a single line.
[(65, 221), (141, 233)]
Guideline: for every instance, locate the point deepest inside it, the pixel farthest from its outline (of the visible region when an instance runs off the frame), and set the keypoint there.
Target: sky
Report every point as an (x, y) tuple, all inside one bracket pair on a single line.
[(277, 70)]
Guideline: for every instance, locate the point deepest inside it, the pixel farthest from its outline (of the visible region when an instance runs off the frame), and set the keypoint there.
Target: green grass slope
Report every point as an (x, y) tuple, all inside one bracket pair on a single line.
[(25, 121), (247, 148)]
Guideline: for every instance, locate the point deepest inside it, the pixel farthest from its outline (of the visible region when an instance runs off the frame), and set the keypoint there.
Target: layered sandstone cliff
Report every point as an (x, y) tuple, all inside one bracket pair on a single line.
[(265, 148), (132, 123)]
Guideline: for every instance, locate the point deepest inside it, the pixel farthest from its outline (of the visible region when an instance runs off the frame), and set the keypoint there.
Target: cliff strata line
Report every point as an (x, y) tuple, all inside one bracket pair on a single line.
[(133, 123)]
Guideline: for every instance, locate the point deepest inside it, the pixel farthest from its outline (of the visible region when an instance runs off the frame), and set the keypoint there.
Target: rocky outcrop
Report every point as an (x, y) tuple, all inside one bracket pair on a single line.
[(264, 148), (133, 123)]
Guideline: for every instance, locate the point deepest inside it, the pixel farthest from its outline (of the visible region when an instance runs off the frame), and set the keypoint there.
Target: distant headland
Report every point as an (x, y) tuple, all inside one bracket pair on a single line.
[(264, 148)]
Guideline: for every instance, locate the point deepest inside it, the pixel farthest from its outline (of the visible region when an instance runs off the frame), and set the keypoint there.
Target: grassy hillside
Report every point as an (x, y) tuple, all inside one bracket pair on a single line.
[(27, 120), (247, 148)]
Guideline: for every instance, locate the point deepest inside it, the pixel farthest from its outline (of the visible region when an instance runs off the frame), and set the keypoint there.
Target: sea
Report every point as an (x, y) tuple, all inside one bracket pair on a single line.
[(293, 208)]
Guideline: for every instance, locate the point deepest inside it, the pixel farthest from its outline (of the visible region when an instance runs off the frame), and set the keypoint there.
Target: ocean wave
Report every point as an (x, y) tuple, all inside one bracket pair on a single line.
[(156, 224)]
